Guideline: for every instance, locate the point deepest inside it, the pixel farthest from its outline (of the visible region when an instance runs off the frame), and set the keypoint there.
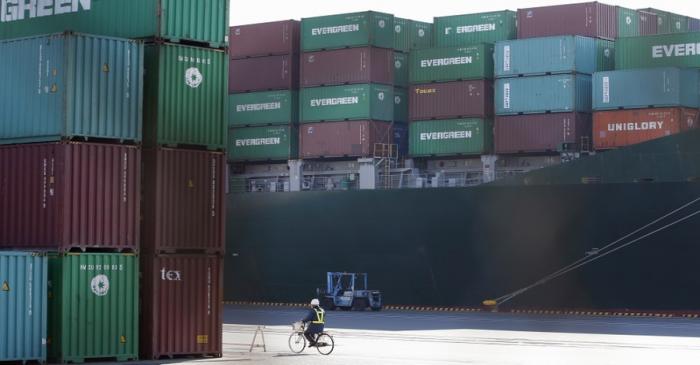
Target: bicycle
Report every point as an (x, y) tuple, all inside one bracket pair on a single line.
[(297, 340)]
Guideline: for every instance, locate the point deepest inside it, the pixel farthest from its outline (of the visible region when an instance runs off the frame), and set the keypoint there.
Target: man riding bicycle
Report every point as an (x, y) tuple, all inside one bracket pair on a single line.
[(314, 321)]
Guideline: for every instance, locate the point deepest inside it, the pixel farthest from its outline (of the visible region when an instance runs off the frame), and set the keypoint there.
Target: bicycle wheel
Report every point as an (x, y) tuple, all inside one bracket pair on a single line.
[(325, 344), (297, 342)]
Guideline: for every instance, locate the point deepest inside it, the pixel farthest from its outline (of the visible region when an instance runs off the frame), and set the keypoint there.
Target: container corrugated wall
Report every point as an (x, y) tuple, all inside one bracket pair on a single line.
[(450, 137), (400, 105), (23, 307), (591, 19), (264, 39), (620, 128), (185, 96), (368, 28), (450, 100), (541, 94), (411, 34), (694, 25), (88, 86), (633, 23), (203, 21), (360, 65), (670, 22), (94, 307), (263, 108), (461, 30), (181, 306), (61, 196), (275, 143), (675, 50), (401, 66), (347, 102), (538, 133), (263, 73), (183, 201), (451, 64), (342, 139), (644, 88)]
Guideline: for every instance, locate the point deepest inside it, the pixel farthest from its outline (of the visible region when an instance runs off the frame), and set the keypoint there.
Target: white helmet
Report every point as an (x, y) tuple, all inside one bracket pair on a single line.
[(315, 302)]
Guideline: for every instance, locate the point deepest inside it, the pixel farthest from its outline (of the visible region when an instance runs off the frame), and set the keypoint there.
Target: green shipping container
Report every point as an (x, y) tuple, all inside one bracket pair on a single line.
[(451, 64), (401, 69), (412, 34), (263, 143), (93, 307), (347, 30), (664, 50), (203, 21), (347, 102), (669, 22), (186, 90), (450, 137), (263, 108), (400, 105), (633, 23), (464, 30)]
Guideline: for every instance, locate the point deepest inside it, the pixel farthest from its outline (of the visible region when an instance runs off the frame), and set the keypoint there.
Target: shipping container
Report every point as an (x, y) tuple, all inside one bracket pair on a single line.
[(183, 201), (64, 86), (553, 55), (620, 128), (204, 21), (665, 50), (63, 196), (263, 108), (348, 102), (450, 137), (693, 25), (646, 88), (367, 28), (451, 64), (93, 307), (411, 34), (361, 65), (23, 307), (263, 74), (400, 105), (669, 22), (400, 69), (539, 133), (342, 139), (634, 23), (450, 100), (271, 143), (264, 39), (543, 94), (400, 138), (181, 311), (468, 29), (591, 19), (185, 96)]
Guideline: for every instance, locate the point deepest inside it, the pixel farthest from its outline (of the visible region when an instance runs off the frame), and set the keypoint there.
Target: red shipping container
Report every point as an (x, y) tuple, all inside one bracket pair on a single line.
[(648, 23), (342, 139), (183, 201), (536, 133), (451, 100), (181, 309), (619, 128), (264, 39), (362, 65), (591, 19), (63, 196), (264, 73)]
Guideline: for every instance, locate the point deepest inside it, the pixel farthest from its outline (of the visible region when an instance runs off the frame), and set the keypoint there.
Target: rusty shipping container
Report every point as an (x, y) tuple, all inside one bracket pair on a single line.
[(451, 100), (536, 133), (591, 19), (181, 310), (342, 139), (619, 128), (263, 74), (63, 196), (264, 39), (362, 65), (183, 201)]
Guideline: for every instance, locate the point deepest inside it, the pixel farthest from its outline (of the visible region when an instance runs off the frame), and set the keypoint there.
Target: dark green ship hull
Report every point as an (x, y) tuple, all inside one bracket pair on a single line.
[(460, 246)]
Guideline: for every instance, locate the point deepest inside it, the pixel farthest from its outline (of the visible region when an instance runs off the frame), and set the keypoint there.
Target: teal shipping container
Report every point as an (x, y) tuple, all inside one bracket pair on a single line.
[(451, 64), (263, 108), (63, 86), (468, 29), (368, 28), (646, 88), (400, 69), (553, 55), (23, 307), (347, 102), (543, 94)]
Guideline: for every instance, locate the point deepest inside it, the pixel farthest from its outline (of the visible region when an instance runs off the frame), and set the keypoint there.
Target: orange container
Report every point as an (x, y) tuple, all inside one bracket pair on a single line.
[(619, 128)]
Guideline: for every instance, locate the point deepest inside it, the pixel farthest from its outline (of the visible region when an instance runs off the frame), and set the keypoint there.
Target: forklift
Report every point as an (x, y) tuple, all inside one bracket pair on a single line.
[(348, 291)]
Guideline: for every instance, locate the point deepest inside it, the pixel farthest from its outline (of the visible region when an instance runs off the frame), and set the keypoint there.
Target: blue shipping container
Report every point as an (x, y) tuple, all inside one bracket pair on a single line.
[(542, 94), (70, 85), (553, 55), (23, 288), (693, 25), (400, 138), (645, 88)]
